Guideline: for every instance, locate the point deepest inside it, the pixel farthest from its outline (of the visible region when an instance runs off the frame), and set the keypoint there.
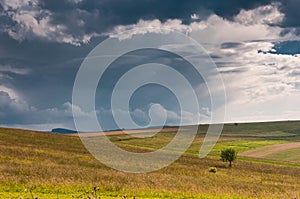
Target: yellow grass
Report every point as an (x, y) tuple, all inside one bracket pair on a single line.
[(57, 166)]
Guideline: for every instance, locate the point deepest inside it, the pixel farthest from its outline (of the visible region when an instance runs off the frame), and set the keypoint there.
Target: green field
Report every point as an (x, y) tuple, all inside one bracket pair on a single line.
[(45, 165)]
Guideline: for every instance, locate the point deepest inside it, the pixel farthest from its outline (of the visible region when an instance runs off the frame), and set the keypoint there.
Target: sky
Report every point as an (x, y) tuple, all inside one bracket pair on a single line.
[(255, 46)]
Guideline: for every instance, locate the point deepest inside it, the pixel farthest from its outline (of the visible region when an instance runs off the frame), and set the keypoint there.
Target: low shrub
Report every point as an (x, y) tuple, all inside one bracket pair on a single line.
[(212, 170)]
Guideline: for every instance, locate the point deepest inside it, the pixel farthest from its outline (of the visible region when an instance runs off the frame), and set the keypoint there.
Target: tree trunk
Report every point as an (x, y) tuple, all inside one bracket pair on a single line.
[(230, 164)]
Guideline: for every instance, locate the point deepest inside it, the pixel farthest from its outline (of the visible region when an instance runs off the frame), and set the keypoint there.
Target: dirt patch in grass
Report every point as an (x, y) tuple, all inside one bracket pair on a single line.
[(269, 150)]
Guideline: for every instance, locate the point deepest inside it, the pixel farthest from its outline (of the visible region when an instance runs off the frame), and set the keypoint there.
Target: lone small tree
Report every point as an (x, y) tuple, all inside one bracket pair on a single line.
[(228, 155)]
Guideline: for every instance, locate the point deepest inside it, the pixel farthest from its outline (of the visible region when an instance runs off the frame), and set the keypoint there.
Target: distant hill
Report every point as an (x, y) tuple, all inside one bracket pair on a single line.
[(63, 131)]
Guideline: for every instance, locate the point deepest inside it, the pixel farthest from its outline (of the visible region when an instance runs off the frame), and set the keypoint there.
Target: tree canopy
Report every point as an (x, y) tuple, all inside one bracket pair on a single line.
[(228, 155)]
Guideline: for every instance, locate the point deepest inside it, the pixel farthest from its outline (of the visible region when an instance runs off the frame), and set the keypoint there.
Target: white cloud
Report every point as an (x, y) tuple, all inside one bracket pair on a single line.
[(194, 16), (148, 26), (16, 4), (259, 86), (10, 103), (261, 76), (158, 115), (257, 24), (10, 69), (279, 108), (75, 1), (216, 30), (34, 22), (269, 15), (247, 25), (10, 92)]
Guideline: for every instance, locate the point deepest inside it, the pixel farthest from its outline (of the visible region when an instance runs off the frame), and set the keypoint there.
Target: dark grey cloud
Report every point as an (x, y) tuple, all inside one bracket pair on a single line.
[(17, 113), (224, 64), (88, 18), (291, 10), (291, 22), (295, 73), (149, 94), (100, 16), (230, 45), (75, 21), (72, 21), (53, 67), (236, 71), (47, 87), (10, 107)]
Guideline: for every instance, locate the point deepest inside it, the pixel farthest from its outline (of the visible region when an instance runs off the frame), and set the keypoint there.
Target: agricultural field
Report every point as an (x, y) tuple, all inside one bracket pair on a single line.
[(48, 165)]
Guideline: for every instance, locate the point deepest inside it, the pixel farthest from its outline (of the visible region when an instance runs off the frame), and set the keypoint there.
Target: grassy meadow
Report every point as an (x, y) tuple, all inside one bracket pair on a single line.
[(47, 165)]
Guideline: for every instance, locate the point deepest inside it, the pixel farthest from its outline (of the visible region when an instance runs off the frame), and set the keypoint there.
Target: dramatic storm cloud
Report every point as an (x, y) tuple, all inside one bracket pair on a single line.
[(255, 45)]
